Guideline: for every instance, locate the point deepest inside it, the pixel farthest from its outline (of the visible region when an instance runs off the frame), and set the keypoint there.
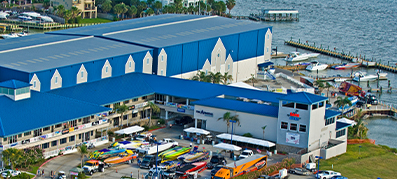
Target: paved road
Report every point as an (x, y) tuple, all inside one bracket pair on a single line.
[(67, 162)]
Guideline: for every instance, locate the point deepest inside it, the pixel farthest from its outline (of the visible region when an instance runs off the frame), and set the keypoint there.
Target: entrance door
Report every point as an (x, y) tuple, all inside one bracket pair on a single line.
[(87, 136), (204, 124), (115, 121)]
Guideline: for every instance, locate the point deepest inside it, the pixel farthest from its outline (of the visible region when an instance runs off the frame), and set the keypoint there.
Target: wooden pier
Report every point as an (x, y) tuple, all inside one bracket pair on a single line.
[(339, 55)]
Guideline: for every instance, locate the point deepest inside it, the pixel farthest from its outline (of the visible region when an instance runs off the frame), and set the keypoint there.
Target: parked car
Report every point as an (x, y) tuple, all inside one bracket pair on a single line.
[(215, 169), (327, 174), (9, 172), (149, 160), (61, 175), (265, 177), (246, 154), (339, 177), (299, 171), (216, 160)]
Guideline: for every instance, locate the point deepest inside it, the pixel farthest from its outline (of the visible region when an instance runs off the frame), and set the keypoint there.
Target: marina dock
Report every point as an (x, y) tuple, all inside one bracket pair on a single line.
[(43, 26), (340, 55)]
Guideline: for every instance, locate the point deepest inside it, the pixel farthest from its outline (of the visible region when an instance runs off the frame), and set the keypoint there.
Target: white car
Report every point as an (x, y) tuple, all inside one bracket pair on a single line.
[(327, 174), (246, 154), (168, 140), (10, 173)]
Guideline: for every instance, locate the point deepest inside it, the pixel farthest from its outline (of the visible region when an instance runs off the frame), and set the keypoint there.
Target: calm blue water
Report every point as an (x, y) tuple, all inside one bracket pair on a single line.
[(366, 27)]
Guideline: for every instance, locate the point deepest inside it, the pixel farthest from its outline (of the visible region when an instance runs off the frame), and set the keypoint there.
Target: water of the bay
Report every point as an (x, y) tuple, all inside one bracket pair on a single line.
[(366, 27)]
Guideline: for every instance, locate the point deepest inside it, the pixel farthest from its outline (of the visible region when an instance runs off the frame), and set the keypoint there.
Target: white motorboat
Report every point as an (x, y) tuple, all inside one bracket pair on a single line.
[(363, 77), (379, 72), (339, 79), (22, 34), (25, 18), (4, 15), (10, 36), (296, 56), (316, 66)]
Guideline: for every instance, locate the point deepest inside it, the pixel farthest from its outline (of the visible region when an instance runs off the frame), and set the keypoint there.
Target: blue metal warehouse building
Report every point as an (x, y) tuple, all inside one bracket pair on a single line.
[(167, 45)]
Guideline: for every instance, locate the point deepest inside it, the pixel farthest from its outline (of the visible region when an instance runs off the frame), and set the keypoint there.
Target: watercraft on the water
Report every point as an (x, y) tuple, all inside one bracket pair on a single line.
[(10, 35), (346, 66), (316, 66), (297, 56), (363, 77)]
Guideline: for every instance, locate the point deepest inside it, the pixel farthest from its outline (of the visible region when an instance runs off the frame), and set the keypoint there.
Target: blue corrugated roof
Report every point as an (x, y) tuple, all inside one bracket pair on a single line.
[(14, 84), (205, 27), (303, 97), (235, 105), (31, 40), (341, 125), (41, 110), (266, 64), (126, 24), (331, 113), (60, 54), (109, 90)]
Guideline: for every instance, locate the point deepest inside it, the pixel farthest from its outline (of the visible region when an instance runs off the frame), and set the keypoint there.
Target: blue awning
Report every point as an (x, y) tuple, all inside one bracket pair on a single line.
[(265, 65)]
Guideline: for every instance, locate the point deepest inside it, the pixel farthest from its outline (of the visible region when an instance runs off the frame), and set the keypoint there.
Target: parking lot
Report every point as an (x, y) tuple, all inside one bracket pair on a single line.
[(67, 162)]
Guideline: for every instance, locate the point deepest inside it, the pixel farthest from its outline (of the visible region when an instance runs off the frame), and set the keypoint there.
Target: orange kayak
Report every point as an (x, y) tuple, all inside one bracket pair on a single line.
[(124, 157)]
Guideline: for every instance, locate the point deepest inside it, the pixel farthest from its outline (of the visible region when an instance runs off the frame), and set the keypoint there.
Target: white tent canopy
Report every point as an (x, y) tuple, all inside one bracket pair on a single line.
[(227, 147), (347, 121), (196, 130), (244, 85), (130, 130), (249, 140)]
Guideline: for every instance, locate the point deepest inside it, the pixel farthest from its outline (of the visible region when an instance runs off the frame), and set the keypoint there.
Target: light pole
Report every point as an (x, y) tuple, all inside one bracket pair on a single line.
[(157, 154), (231, 136), (318, 164)]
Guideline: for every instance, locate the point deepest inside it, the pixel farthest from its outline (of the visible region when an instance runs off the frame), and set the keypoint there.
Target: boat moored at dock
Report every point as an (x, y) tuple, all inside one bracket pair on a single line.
[(297, 56), (316, 66)]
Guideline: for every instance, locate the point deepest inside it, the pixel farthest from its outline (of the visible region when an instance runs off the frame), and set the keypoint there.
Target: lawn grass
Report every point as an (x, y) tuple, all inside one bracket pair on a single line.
[(372, 161), (96, 20), (34, 169)]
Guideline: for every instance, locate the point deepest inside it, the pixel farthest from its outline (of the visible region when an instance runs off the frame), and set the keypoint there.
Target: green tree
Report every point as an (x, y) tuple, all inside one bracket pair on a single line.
[(120, 109), (227, 117), (33, 8), (154, 109), (106, 6), (67, 15), (158, 5), (320, 85), (132, 11), (230, 4), (263, 128), (83, 151), (134, 3), (342, 102), (13, 156), (178, 4), (149, 11), (149, 3), (215, 77), (328, 86), (252, 79), (118, 9), (46, 4), (60, 10), (201, 76), (125, 9), (226, 78), (75, 12)]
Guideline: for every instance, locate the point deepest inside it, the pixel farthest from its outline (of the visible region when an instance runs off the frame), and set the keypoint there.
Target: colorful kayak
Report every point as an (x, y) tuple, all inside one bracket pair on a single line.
[(104, 153), (121, 158), (196, 157), (169, 151), (176, 153)]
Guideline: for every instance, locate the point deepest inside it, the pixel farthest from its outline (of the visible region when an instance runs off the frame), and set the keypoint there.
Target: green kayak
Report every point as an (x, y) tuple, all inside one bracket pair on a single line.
[(169, 151), (177, 153)]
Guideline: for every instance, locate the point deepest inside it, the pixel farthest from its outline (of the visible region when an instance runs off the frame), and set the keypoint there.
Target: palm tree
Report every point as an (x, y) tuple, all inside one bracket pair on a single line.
[(149, 11), (83, 150), (46, 4), (158, 5), (132, 11), (67, 15), (320, 85), (341, 102), (263, 128), (227, 117), (118, 9), (13, 156), (201, 76), (328, 86), (60, 10), (75, 12), (226, 78), (154, 109), (230, 4), (107, 6), (33, 8), (215, 77), (252, 79), (120, 109)]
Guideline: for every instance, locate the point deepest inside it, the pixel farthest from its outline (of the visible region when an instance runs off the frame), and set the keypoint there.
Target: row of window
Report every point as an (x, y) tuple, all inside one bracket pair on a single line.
[(61, 141), (293, 126), (17, 91), (301, 106), (329, 121), (341, 133)]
